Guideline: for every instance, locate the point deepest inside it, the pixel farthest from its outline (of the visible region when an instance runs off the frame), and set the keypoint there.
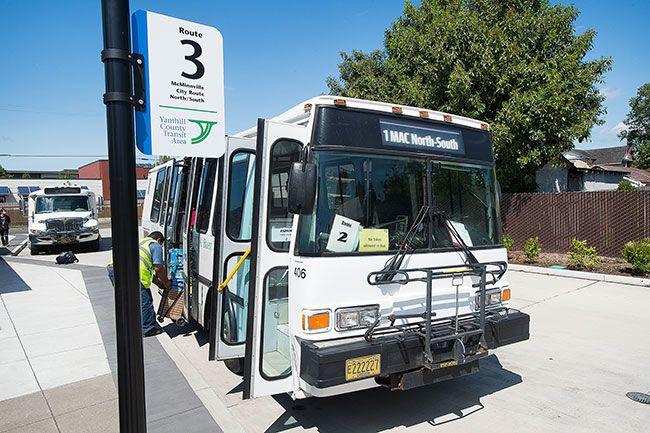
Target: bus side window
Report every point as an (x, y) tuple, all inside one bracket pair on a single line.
[(157, 196), (284, 152), (166, 191), (235, 305), (208, 178), (240, 196)]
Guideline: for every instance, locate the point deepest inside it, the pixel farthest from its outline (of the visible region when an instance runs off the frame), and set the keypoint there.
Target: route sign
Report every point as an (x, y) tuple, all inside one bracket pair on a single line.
[(183, 80)]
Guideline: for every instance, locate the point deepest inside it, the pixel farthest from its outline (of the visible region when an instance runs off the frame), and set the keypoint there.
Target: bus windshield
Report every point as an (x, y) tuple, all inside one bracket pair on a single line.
[(367, 203), (62, 203)]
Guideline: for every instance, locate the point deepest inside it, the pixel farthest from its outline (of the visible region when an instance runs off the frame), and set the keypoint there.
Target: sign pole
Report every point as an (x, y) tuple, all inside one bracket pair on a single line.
[(124, 224)]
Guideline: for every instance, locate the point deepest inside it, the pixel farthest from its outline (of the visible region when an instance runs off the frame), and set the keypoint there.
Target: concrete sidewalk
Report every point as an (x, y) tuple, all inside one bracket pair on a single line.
[(57, 364)]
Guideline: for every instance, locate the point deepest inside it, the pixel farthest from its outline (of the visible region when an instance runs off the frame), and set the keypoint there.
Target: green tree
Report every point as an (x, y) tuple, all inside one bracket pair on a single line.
[(517, 64), (638, 123), (25, 176), (4, 174), (161, 160)]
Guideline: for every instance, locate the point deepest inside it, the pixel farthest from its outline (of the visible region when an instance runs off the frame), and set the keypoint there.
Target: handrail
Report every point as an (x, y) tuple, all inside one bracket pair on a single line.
[(232, 273)]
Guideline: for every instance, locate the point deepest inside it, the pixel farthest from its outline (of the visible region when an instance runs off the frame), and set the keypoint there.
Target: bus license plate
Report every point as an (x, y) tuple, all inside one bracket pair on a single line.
[(359, 368)]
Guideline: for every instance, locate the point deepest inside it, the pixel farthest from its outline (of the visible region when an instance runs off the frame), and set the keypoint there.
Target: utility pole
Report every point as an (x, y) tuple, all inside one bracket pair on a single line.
[(124, 225)]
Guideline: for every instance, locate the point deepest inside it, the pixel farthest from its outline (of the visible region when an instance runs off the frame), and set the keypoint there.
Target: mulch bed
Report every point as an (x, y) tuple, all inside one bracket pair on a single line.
[(608, 265)]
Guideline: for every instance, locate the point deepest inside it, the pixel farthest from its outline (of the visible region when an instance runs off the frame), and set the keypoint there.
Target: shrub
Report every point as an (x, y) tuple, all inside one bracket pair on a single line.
[(638, 255), (508, 242), (625, 185), (532, 248), (583, 256)]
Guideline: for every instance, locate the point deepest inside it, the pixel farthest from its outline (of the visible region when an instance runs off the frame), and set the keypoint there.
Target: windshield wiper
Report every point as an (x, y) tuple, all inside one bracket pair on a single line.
[(471, 258), (395, 262)]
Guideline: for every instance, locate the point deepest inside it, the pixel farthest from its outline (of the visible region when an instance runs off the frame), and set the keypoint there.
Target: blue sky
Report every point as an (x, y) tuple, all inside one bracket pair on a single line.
[(276, 55)]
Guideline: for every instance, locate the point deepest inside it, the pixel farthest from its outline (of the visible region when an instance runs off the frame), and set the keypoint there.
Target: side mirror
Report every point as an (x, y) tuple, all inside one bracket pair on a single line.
[(302, 188)]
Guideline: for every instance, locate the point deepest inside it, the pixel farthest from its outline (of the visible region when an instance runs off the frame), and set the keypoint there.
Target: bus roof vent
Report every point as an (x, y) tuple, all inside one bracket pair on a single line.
[(63, 190)]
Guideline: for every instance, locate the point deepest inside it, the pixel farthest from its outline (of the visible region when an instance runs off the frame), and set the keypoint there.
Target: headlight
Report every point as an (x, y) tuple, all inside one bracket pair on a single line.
[(356, 317), (493, 297)]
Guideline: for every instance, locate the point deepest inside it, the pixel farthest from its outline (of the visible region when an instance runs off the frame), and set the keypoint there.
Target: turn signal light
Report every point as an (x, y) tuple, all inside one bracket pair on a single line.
[(505, 295), (485, 126), (307, 107), (340, 102), (424, 114), (447, 118), (316, 320), (397, 110)]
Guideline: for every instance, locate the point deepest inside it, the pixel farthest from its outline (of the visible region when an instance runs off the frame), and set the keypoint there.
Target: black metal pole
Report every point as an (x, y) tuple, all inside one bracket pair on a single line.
[(124, 220)]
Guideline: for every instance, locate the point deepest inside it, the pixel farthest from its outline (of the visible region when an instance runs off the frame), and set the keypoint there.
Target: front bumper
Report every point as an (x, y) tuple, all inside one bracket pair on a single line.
[(46, 238), (322, 364)]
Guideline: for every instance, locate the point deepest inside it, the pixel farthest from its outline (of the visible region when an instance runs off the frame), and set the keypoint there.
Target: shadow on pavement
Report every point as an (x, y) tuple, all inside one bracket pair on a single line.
[(173, 330), (10, 281), (380, 409)]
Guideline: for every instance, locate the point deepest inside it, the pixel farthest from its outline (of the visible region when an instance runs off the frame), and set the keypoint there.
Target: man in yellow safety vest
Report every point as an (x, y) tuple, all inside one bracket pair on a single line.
[(152, 269)]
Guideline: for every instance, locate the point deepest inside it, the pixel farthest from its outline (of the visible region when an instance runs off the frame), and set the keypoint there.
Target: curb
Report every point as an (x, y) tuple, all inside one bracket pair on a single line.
[(568, 273)]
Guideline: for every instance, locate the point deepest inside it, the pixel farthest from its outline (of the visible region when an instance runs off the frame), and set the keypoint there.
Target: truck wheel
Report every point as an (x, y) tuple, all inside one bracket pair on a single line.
[(34, 249), (94, 245), (236, 365)]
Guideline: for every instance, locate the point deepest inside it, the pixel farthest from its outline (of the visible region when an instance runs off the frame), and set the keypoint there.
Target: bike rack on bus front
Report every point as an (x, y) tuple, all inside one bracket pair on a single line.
[(442, 328)]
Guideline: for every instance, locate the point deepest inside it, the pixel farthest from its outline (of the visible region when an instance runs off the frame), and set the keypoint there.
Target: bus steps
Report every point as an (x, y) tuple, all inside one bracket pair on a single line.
[(461, 328)]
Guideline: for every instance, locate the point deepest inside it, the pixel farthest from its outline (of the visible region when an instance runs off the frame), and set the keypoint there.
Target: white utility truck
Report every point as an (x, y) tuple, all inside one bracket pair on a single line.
[(64, 216), (376, 253)]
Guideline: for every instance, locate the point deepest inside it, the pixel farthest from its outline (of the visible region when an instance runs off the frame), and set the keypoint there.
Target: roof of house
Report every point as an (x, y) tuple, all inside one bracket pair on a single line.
[(633, 173), (608, 155), (594, 158)]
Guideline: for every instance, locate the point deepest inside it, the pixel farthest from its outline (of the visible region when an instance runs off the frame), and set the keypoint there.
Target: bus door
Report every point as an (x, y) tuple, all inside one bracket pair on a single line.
[(203, 240), (267, 362), (153, 212), (236, 226), (176, 205), (190, 267)]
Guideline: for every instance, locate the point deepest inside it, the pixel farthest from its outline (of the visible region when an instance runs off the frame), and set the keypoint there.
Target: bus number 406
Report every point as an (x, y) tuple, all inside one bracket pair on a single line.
[(300, 272)]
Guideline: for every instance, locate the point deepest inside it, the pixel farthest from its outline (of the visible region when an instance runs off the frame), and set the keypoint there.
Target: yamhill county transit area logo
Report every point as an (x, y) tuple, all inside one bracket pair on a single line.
[(176, 130)]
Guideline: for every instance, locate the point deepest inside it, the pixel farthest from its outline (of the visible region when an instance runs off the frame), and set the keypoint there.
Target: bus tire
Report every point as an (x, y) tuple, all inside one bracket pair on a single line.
[(235, 365), (34, 249)]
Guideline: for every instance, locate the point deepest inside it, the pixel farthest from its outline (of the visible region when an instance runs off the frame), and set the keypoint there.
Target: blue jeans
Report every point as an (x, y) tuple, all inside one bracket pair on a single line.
[(148, 313)]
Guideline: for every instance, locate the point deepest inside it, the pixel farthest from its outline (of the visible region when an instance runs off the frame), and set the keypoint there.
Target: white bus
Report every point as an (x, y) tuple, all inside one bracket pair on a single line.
[(376, 248)]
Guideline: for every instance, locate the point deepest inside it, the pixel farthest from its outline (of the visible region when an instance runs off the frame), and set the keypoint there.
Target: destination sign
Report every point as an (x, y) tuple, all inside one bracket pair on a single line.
[(434, 138)]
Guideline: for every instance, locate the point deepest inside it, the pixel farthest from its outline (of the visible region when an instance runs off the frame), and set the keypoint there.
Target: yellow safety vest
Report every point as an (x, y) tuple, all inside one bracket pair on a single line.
[(146, 262)]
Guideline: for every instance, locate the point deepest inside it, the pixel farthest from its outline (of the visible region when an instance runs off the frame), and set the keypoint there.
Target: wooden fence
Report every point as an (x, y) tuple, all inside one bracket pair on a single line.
[(606, 219)]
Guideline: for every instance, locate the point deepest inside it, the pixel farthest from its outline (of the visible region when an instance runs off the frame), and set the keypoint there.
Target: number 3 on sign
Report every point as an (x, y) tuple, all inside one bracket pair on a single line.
[(200, 69)]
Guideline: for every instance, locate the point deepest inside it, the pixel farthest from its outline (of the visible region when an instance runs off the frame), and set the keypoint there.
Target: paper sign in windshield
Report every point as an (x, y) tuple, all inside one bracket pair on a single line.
[(281, 234), (436, 139), (373, 240), (344, 235)]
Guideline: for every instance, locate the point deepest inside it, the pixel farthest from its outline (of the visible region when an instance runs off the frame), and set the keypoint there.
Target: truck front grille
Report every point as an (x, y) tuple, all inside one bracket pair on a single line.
[(64, 224)]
